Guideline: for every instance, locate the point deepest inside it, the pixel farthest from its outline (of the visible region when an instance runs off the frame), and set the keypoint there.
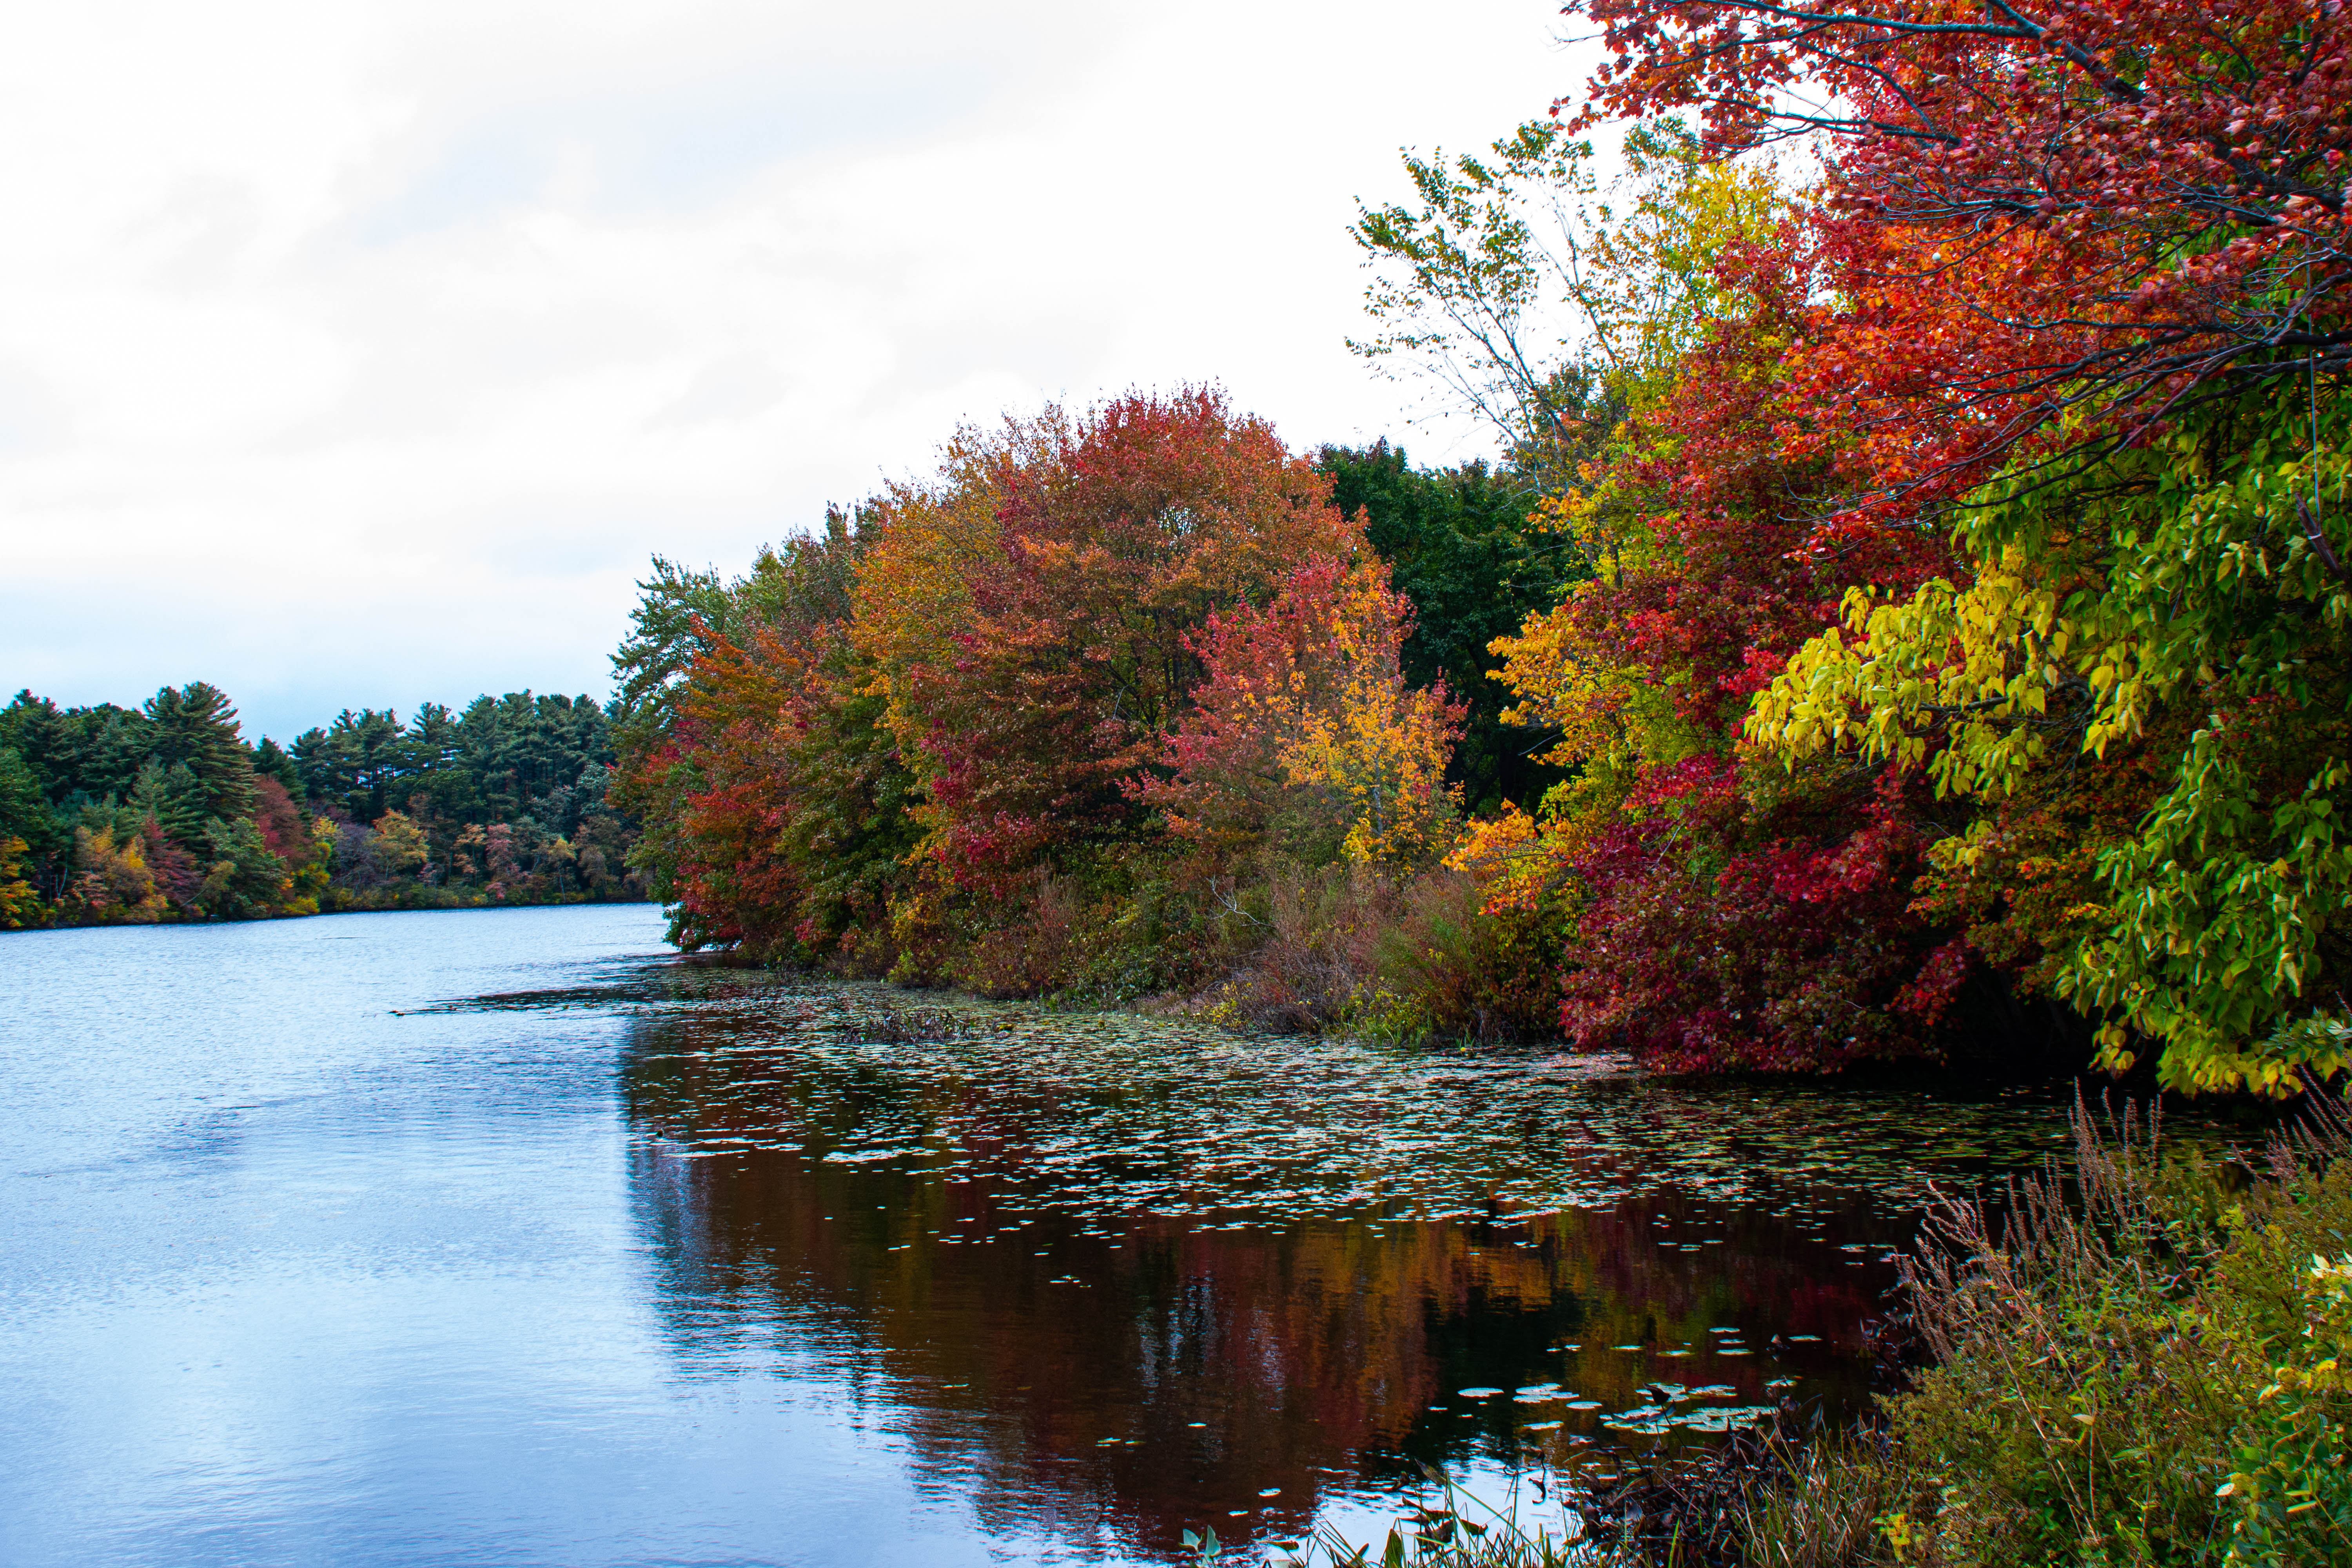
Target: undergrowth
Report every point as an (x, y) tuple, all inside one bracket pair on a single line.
[(2136, 1361), (1369, 950)]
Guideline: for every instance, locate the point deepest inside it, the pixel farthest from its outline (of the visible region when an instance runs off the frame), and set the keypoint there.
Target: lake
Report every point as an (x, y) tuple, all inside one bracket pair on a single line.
[(511, 1237)]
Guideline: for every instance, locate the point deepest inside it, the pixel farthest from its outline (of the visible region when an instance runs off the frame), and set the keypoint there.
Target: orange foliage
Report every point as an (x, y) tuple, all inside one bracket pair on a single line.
[(1028, 612), (1304, 726)]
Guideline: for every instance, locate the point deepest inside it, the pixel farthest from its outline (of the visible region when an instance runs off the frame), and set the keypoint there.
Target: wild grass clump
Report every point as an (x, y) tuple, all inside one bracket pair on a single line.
[(2137, 1359), (1814, 1501)]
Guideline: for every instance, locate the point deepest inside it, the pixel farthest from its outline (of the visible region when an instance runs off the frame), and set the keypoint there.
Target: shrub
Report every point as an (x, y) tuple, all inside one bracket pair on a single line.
[(1027, 949), (2080, 1387), (1448, 969), (1310, 939)]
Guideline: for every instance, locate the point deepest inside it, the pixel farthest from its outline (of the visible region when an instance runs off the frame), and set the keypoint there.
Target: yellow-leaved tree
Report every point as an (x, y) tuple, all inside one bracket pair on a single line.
[(2179, 610), (1304, 729)]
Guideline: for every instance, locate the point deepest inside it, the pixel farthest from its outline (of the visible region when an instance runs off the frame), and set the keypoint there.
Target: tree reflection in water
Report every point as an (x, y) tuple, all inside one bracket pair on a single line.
[(1108, 1276)]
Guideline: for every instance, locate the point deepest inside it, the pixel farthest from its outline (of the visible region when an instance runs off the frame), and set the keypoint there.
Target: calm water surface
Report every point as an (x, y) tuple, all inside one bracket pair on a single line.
[(507, 1236)]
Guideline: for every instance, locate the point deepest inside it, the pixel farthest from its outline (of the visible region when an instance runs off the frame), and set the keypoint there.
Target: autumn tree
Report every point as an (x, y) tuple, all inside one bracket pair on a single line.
[(1029, 611), (681, 616), (1021, 724), (2094, 212), (2083, 269), (776, 803), (1723, 919), (1304, 735), (1713, 923), (2159, 654)]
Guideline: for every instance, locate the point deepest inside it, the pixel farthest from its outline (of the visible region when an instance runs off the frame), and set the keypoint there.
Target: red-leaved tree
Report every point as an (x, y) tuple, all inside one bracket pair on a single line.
[(2105, 207)]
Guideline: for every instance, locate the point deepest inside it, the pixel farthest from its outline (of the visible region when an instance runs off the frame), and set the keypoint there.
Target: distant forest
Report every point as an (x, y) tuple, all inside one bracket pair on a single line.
[(164, 812)]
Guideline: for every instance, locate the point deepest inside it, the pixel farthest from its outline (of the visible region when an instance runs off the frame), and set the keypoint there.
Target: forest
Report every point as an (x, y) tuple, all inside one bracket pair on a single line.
[(164, 812), (1908, 617)]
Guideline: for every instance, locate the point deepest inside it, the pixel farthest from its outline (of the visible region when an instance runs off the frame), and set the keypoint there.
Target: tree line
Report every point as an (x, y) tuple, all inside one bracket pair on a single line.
[(164, 812), (1911, 606)]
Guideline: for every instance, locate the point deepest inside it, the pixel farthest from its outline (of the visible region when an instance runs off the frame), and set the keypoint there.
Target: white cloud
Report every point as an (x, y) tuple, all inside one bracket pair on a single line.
[(362, 354)]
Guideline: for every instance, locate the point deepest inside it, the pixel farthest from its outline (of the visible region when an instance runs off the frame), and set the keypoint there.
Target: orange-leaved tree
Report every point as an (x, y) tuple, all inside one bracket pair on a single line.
[(1029, 610), (1304, 736), (2088, 209)]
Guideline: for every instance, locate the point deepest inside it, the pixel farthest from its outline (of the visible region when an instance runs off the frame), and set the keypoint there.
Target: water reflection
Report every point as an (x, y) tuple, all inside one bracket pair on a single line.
[(497, 1237), (1110, 1277)]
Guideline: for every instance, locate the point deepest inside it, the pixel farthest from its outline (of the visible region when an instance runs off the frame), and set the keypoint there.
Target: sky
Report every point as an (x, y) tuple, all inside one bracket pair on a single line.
[(360, 355)]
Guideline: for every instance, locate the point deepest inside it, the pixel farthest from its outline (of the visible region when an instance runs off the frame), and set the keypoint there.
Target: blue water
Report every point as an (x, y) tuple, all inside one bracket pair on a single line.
[(290, 1279)]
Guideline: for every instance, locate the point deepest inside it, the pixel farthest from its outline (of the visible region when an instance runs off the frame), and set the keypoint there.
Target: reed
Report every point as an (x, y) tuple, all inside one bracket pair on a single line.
[(2135, 1360)]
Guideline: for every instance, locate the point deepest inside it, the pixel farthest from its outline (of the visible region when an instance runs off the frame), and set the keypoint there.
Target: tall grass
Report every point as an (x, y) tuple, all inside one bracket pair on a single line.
[(2137, 1360), (2115, 1342), (1400, 955)]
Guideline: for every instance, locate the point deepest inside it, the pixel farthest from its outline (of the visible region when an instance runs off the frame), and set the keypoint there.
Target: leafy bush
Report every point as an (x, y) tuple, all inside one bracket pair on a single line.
[(1446, 968)]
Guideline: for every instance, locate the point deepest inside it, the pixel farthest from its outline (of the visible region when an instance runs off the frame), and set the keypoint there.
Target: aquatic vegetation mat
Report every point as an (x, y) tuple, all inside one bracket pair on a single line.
[(1118, 1114)]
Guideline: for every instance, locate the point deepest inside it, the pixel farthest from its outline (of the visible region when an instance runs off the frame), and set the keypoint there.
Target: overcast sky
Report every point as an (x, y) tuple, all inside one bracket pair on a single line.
[(359, 355)]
